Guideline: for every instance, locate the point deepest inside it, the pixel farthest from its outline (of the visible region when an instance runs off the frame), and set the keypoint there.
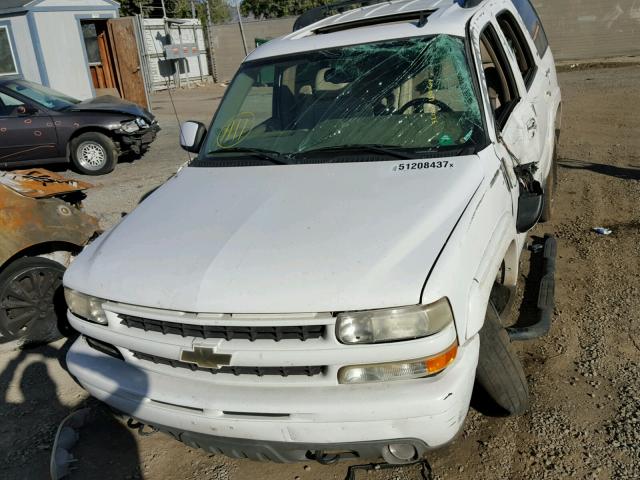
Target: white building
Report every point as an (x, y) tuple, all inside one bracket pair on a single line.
[(59, 43)]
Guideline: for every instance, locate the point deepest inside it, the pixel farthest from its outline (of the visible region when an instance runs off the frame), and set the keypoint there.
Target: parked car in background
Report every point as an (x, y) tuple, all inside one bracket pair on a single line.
[(39, 125), (42, 226)]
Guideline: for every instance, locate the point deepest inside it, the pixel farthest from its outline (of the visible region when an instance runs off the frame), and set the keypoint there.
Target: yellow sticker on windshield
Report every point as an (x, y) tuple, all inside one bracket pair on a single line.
[(236, 129)]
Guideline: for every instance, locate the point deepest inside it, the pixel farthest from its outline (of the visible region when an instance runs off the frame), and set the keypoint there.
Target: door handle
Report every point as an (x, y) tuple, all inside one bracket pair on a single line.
[(531, 124)]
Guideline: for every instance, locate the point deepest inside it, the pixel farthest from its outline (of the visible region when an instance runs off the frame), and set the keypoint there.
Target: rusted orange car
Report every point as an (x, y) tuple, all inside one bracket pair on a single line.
[(42, 226)]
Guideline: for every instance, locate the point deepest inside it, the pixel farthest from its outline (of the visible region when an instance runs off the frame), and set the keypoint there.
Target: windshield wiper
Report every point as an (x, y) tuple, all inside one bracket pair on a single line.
[(270, 155), (389, 150)]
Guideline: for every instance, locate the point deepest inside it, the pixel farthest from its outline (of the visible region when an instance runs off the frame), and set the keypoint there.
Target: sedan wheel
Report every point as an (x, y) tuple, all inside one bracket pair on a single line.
[(91, 155), (31, 300)]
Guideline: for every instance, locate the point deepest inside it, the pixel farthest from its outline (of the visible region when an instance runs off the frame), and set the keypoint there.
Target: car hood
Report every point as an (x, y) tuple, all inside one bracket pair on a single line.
[(282, 239), (109, 103)]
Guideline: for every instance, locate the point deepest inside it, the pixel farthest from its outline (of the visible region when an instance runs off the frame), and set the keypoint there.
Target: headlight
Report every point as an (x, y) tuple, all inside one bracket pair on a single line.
[(129, 127), (393, 324), (142, 123), (85, 306), (403, 370)]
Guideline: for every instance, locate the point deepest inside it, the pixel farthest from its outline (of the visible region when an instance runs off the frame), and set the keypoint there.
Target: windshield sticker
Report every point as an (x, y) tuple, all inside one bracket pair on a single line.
[(403, 167), (235, 130)]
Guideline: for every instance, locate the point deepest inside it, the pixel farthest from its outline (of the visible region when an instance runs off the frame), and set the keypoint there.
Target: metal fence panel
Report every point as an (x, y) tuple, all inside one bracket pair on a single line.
[(163, 73), (228, 49), (577, 30)]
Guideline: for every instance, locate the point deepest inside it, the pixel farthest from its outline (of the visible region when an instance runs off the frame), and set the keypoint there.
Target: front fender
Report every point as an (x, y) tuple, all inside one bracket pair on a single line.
[(501, 247), (484, 237)]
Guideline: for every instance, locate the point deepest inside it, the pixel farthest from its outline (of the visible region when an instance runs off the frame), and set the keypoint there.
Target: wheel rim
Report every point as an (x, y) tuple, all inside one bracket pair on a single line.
[(28, 299), (91, 155)]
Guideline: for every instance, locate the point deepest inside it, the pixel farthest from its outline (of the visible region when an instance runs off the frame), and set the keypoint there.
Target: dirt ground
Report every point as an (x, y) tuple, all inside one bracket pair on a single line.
[(584, 377)]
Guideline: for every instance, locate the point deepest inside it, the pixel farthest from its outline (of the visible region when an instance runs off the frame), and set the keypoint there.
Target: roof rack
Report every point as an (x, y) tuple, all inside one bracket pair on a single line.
[(419, 16), (316, 14)]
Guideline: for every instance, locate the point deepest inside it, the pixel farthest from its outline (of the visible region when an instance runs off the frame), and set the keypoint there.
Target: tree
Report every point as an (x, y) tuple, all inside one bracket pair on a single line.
[(132, 7), (283, 8), (178, 9), (182, 9)]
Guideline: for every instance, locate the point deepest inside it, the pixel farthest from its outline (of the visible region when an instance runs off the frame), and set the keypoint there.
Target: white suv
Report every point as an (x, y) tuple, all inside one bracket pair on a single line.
[(324, 280)]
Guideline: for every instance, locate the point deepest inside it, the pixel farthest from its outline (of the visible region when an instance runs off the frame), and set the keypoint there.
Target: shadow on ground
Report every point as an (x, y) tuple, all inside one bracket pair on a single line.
[(624, 173), (31, 410)]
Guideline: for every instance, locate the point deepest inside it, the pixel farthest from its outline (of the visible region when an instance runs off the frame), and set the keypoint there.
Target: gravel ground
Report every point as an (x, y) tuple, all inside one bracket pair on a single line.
[(584, 377)]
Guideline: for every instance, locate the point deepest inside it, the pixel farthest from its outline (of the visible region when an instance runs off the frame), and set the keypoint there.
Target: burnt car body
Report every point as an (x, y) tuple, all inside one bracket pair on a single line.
[(42, 225), (41, 126)]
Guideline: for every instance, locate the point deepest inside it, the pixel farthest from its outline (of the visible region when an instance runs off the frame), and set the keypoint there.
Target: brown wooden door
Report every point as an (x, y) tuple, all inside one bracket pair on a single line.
[(122, 37), (96, 45), (102, 73)]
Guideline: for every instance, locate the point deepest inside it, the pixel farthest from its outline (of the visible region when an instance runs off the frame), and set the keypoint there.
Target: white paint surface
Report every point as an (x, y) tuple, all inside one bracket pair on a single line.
[(64, 52), (23, 46)]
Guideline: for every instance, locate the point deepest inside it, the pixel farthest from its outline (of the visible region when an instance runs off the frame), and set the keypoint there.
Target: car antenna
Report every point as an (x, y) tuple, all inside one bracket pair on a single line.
[(173, 105)]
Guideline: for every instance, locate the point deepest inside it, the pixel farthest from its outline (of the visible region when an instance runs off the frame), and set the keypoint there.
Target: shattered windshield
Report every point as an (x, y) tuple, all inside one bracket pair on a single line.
[(401, 99)]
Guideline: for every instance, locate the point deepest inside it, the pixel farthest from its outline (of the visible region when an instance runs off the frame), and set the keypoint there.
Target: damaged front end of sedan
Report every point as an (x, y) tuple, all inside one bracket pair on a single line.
[(42, 227)]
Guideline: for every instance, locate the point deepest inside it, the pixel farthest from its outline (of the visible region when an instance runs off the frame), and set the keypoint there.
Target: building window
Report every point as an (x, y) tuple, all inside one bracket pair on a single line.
[(7, 60), (90, 35)]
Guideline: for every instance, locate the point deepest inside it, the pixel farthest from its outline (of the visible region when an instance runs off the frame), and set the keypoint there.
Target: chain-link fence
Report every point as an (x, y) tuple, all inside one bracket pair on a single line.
[(577, 30)]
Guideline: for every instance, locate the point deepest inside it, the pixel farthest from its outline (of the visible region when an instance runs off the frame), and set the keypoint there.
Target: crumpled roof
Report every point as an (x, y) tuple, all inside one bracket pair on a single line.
[(40, 183)]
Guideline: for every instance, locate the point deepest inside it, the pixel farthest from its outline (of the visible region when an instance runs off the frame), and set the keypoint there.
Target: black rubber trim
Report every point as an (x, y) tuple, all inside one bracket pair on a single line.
[(228, 332), (288, 452), (546, 296), (104, 347), (304, 370)]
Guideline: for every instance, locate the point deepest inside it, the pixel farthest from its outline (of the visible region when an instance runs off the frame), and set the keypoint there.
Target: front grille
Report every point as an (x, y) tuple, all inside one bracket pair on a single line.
[(308, 371), (293, 332)]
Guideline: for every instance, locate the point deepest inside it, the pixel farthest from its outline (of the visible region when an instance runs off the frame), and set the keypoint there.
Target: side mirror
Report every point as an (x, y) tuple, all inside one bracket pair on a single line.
[(530, 205), (191, 136), (23, 110)]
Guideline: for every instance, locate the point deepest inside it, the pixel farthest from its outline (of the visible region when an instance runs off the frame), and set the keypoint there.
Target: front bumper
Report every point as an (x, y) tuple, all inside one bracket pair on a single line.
[(285, 423), (139, 140)]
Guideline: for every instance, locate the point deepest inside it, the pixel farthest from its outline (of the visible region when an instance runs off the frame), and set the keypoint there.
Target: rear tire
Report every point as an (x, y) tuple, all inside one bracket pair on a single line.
[(31, 300), (499, 371), (93, 153)]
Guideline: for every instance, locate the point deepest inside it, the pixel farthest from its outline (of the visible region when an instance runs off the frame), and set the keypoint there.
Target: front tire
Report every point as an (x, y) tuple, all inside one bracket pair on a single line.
[(93, 153), (499, 371), (31, 300)]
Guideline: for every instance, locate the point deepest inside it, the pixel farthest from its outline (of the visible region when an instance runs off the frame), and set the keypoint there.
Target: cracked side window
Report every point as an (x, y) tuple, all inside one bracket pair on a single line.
[(411, 94)]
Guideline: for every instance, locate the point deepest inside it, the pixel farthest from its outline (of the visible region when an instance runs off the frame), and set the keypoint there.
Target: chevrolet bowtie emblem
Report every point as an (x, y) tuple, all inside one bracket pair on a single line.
[(205, 357)]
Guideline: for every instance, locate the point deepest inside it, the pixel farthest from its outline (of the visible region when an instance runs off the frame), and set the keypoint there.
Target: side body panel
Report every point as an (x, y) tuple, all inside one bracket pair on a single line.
[(543, 95), (491, 236), (33, 217), (25, 136), (484, 236), (67, 124)]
